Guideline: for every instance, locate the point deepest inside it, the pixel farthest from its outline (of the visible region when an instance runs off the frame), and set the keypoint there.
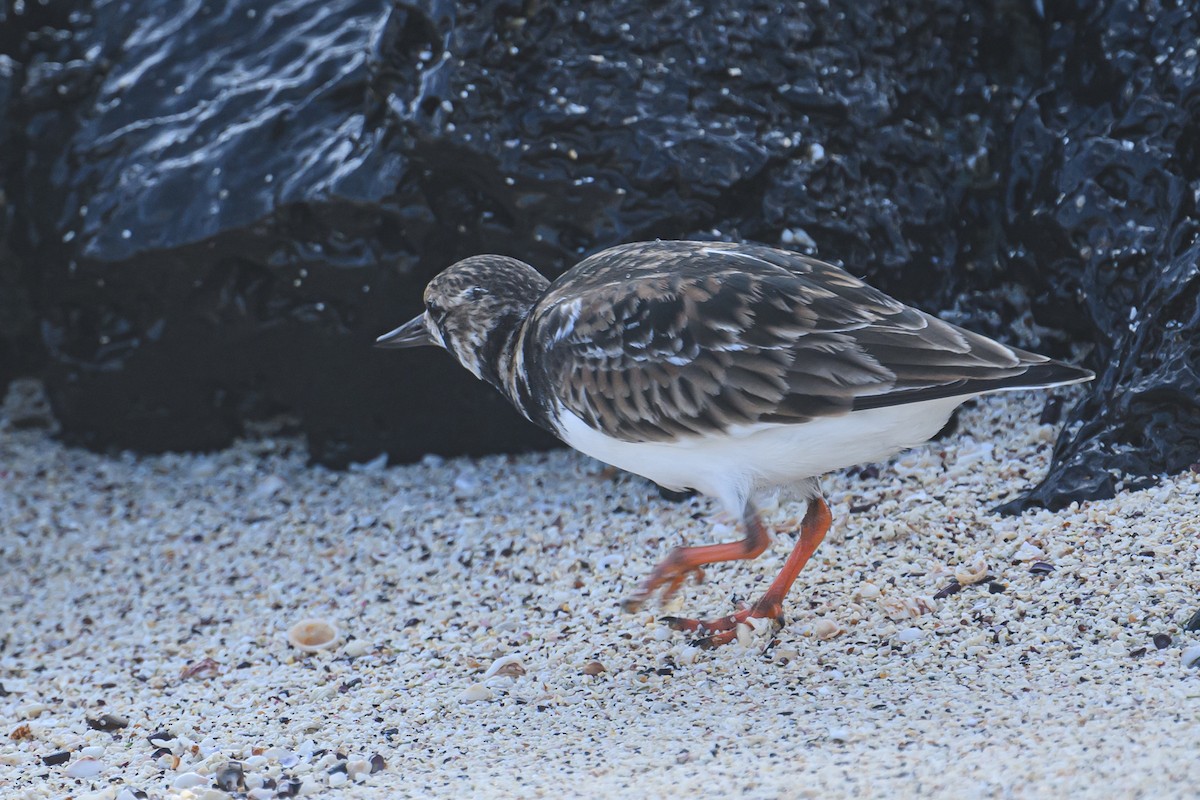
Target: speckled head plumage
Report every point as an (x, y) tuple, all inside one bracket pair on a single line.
[(474, 309)]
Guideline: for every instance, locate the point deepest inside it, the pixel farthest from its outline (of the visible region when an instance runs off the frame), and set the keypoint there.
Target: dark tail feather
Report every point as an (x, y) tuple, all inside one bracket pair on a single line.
[(1038, 375)]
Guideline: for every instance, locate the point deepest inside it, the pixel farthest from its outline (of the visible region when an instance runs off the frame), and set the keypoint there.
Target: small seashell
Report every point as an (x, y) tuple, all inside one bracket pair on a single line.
[(84, 768), (1192, 624), (204, 668), (826, 628), (94, 751), (593, 668), (1041, 568), (377, 764), (358, 767), (475, 693), (22, 731), (976, 571), (312, 635), (910, 635), (1162, 641), (1191, 656), (508, 666)]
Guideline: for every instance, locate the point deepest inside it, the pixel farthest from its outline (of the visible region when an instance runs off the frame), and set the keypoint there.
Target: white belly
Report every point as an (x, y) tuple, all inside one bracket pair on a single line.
[(732, 467)]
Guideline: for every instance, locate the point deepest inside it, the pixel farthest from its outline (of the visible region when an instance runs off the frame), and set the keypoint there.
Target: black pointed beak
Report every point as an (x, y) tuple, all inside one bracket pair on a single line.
[(411, 334)]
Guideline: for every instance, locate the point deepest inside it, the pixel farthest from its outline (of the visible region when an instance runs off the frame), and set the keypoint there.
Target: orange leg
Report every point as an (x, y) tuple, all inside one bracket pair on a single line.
[(684, 561), (714, 633)]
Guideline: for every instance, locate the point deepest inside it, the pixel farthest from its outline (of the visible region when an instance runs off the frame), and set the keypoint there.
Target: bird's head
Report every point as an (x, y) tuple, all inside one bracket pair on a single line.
[(473, 309)]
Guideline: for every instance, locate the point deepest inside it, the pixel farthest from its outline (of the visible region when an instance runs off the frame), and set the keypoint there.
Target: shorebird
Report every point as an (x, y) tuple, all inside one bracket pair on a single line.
[(729, 369)]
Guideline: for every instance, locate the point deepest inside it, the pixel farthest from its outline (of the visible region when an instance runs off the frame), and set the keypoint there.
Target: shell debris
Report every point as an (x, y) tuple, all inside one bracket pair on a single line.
[(450, 594)]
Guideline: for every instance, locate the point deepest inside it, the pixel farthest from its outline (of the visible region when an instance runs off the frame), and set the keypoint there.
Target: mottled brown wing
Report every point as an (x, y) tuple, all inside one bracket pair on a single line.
[(654, 341)]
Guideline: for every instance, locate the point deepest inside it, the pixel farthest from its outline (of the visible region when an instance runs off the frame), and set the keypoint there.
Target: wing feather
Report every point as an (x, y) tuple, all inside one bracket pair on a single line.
[(654, 341)]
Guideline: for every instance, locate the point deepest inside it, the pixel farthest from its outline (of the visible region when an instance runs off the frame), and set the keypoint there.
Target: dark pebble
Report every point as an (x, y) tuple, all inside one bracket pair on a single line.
[(1041, 568), (159, 753), (288, 788), (996, 588), (4, 692), (108, 722), (1141, 651), (953, 588), (54, 759), (1162, 641), (1051, 412), (231, 777), (1193, 624), (377, 764)]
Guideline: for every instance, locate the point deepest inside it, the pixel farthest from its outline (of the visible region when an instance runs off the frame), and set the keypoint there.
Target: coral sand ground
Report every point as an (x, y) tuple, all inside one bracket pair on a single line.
[(482, 650)]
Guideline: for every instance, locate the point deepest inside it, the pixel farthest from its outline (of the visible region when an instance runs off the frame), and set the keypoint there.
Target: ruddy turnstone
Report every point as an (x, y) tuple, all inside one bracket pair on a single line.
[(731, 369)]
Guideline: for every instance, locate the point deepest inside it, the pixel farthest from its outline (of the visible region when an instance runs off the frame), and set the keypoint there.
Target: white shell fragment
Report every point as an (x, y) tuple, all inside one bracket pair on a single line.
[(84, 768), (1028, 552), (1191, 656), (509, 666), (475, 693), (312, 635), (189, 780)]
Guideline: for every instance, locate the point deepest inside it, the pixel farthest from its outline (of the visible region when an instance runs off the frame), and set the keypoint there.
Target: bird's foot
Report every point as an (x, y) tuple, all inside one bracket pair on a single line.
[(671, 574), (716, 632)]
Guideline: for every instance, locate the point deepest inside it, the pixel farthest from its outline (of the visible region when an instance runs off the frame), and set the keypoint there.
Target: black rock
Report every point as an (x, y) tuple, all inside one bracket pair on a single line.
[(226, 205), (1102, 195), (20, 347)]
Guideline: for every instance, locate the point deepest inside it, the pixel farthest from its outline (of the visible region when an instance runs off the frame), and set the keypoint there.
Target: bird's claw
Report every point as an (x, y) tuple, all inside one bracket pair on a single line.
[(717, 632)]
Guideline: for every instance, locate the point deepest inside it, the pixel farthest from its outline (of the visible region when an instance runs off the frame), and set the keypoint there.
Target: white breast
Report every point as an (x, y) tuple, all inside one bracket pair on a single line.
[(733, 466)]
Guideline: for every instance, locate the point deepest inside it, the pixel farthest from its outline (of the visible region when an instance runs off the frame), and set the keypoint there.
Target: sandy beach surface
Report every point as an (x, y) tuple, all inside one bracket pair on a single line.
[(932, 648)]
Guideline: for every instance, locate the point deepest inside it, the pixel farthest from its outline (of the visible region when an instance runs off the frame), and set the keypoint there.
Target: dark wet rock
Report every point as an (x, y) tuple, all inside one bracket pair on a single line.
[(1102, 195), (227, 203), (20, 347)]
